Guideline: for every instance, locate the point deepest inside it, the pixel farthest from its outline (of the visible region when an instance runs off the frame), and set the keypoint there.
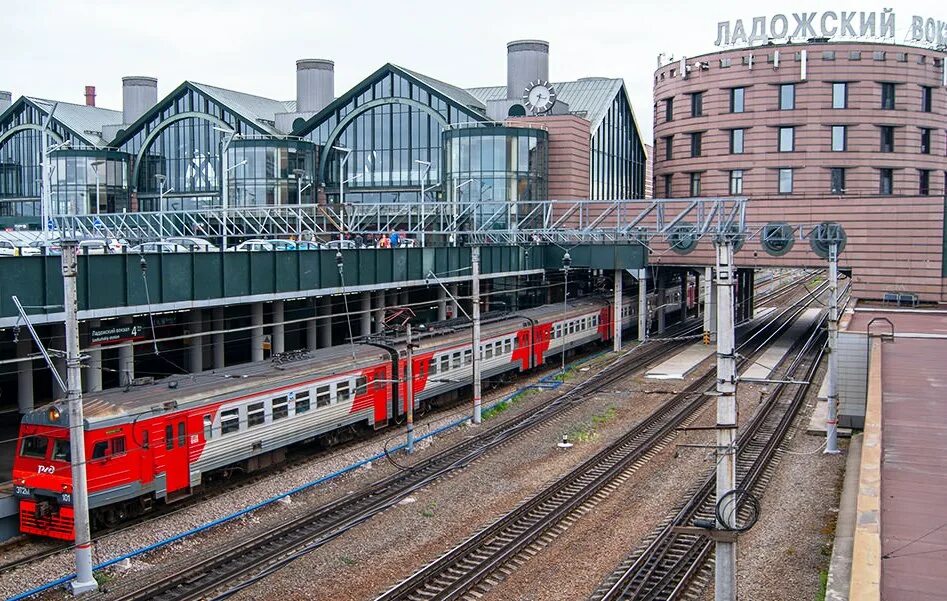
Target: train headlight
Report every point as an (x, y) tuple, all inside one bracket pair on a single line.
[(53, 413)]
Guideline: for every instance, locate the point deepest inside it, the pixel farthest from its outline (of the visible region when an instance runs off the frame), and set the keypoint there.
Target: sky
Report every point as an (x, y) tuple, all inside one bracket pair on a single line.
[(53, 49)]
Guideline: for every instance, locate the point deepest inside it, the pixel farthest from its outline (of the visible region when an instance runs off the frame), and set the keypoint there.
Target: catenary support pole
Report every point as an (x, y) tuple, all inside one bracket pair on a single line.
[(409, 386), (831, 414), (475, 347), (616, 312), (725, 583), (642, 304), (710, 305), (84, 581)]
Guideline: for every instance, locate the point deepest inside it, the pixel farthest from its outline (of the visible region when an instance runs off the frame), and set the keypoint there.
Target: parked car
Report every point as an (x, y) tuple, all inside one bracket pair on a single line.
[(159, 247), (252, 245), (340, 244), (35, 248), (101, 246), (408, 243), (8, 249), (193, 244), (282, 244), (306, 245)]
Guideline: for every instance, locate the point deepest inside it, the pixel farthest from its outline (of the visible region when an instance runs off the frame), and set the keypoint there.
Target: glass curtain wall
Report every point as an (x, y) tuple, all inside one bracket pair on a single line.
[(618, 157), (493, 173), (21, 158), (386, 140), (87, 182), (271, 172), (185, 153)]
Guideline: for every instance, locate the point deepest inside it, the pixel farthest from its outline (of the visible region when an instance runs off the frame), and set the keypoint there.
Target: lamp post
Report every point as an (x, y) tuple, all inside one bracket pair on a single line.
[(454, 206), (161, 191), (342, 182), (229, 136), (423, 168), (566, 265), (95, 169)]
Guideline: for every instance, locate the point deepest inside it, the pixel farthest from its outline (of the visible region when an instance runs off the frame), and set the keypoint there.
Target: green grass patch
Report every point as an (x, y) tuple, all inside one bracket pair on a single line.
[(499, 408), (823, 584), (428, 511), (348, 560), (587, 431)]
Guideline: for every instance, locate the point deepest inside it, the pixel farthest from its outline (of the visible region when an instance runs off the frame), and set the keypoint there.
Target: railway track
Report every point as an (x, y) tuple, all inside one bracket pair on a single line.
[(471, 568), (674, 565)]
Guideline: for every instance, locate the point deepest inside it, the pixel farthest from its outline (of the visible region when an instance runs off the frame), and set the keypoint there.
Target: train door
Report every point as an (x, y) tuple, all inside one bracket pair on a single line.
[(141, 440), (176, 456)]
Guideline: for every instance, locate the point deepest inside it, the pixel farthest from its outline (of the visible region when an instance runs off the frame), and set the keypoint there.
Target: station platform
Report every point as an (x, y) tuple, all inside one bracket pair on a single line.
[(681, 364), (763, 367), (900, 540)]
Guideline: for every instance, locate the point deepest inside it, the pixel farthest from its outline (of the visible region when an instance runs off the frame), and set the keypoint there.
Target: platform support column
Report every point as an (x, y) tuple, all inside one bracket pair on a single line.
[(92, 373), (220, 360), (195, 344), (256, 333), (324, 306), (379, 310), (452, 310), (24, 373), (725, 580), (312, 327), (831, 415), (365, 314), (278, 344), (126, 358), (642, 304), (616, 312), (441, 304), (661, 300), (710, 305), (403, 298)]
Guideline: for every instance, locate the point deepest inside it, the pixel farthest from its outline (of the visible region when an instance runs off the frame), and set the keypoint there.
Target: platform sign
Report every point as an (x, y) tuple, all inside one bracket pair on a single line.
[(116, 334)]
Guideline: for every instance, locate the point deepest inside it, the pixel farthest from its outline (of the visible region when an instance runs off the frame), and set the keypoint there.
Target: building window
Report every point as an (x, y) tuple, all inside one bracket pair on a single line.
[(838, 180), (887, 96), (697, 104), (887, 138), (925, 182), (737, 97), (785, 181), (667, 186), (736, 141), (787, 139), (668, 147), (787, 97), (839, 138), (736, 181), (695, 144), (725, 62), (669, 109), (695, 184), (878, 55), (927, 99), (901, 57), (855, 55), (886, 185), (840, 95), (925, 140), (828, 55)]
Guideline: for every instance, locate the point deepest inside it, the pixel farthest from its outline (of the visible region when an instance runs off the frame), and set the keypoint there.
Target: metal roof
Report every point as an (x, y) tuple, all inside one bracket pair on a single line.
[(590, 95), (458, 95), (85, 121), (257, 109)]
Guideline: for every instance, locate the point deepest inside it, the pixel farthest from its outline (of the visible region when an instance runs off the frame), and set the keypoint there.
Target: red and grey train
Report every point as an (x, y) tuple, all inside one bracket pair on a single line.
[(158, 442)]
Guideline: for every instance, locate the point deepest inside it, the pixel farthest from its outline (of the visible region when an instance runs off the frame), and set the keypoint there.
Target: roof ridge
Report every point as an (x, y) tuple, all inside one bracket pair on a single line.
[(76, 104), (207, 85)]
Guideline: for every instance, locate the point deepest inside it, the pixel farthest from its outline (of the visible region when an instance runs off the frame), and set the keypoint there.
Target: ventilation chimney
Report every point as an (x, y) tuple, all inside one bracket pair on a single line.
[(6, 99), (138, 95), (526, 61), (315, 84), (90, 95)]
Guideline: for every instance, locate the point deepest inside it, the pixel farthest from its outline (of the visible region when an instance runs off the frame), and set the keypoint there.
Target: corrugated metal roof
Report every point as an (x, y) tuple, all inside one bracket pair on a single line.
[(258, 109), (458, 95), (592, 96), (85, 121)]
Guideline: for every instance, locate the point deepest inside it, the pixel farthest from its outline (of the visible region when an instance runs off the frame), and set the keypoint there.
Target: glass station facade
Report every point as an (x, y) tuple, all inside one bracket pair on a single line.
[(492, 173), (270, 172), (87, 181), (387, 122), (618, 160)]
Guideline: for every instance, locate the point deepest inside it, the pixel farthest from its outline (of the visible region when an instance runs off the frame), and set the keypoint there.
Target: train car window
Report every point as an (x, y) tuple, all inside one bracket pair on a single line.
[(34, 446), (256, 414), (208, 427), (61, 450), (468, 357), (118, 445), (433, 367), (182, 435), (169, 437), (361, 385), (302, 402), (323, 396), (144, 439), (229, 421), (100, 449), (280, 408), (489, 353), (455, 360), (507, 346), (445, 363), (379, 378), (343, 392)]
